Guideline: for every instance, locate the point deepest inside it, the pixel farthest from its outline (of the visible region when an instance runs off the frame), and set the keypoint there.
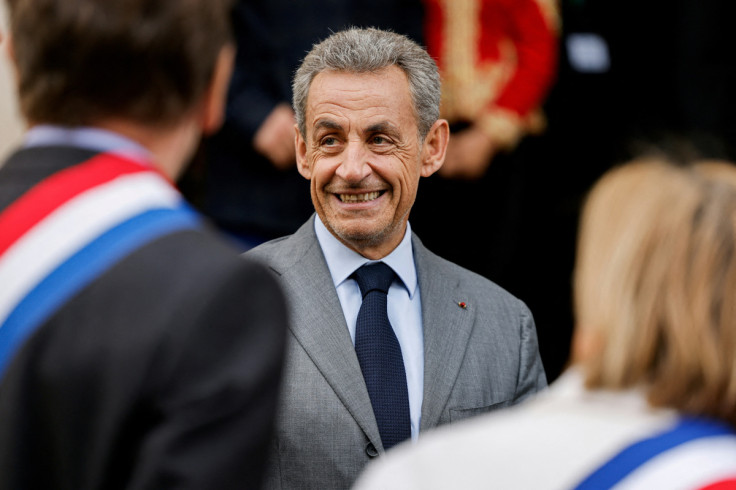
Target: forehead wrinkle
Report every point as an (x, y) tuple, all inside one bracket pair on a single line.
[(344, 97)]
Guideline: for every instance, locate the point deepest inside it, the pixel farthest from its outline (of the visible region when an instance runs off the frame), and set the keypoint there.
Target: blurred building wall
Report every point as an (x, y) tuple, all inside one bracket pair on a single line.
[(11, 124)]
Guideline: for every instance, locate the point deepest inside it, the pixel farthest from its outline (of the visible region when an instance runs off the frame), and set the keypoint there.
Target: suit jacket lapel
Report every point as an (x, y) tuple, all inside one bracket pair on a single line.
[(447, 327), (318, 324)]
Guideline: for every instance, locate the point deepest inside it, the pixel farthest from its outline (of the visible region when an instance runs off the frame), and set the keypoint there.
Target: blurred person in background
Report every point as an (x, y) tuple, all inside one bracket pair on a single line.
[(137, 349), (497, 59), (631, 75), (650, 398)]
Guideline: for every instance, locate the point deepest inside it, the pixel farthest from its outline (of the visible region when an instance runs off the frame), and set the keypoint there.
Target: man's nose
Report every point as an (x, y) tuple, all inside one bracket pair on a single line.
[(354, 166)]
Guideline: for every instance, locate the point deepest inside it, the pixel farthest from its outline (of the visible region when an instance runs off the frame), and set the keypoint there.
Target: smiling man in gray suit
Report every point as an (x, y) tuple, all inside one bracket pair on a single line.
[(368, 367)]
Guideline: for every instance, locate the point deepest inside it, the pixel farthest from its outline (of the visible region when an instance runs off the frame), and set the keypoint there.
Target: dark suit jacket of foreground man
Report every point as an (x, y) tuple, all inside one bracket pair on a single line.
[(477, 359), (160, 373)]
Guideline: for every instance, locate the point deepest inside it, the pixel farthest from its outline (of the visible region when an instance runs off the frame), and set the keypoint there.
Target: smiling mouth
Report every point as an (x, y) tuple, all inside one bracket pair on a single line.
[(368, 196)]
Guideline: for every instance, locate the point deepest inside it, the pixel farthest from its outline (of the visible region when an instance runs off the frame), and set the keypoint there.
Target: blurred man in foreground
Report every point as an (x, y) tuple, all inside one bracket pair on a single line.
[(137, 350)]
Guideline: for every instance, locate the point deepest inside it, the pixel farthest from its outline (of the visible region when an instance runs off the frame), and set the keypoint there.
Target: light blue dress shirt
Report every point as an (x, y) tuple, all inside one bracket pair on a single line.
[(89, 138), (404, 305)]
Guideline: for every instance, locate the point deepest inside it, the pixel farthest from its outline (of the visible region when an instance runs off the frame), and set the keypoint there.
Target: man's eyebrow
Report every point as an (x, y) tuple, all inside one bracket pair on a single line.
[(326, 124)]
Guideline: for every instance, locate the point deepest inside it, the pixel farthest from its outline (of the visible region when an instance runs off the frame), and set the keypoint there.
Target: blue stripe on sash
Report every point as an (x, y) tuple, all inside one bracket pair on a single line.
[(82, 268), (635, 455)]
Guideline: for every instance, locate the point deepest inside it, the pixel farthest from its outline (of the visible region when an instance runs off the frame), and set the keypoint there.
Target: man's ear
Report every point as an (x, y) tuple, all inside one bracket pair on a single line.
[(214, 100), (435, 147), (302, 164), (7, 39)]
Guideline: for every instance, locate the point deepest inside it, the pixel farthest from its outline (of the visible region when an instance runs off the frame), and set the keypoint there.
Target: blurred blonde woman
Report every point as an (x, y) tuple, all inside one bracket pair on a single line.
[(649, 401)]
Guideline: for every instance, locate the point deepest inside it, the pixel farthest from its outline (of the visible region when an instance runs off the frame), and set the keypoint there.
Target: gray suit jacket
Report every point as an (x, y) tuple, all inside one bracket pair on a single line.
[(477, 359)]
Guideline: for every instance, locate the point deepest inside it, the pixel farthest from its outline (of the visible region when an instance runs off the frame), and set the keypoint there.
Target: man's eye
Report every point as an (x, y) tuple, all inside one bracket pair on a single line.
[(380, 140), (329, 141)]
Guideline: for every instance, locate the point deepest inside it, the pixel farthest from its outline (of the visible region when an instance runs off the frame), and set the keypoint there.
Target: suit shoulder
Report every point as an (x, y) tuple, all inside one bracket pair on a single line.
[(282, 253), (196, 248), (480, 287), (265, 252), (189, 263)]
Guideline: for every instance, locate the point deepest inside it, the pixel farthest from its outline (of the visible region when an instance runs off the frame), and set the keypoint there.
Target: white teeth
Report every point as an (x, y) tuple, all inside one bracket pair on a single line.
[(369, 196)]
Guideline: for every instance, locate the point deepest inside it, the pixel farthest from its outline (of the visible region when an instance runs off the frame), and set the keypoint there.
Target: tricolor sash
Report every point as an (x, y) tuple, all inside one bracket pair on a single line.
[(705, 450), (69, 229)]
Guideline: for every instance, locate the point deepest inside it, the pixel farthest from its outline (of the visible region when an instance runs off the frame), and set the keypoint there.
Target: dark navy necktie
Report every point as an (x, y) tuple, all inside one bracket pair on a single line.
[(379, 355)]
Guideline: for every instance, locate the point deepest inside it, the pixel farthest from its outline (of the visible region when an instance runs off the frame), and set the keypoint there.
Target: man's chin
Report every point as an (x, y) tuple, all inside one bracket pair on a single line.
[(360, 237)]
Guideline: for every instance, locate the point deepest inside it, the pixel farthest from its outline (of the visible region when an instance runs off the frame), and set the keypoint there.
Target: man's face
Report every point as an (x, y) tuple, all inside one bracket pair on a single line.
[(363, 155)]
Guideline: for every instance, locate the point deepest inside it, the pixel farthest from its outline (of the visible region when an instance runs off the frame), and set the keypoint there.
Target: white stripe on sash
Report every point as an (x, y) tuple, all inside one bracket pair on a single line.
[(72, 226)]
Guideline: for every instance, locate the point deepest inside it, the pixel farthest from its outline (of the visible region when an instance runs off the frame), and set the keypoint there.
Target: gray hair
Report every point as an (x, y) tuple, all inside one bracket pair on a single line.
[(368, 50)]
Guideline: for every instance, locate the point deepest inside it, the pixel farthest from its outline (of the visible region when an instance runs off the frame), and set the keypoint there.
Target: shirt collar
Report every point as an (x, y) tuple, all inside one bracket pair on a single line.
[(342, 261), (90, 138)]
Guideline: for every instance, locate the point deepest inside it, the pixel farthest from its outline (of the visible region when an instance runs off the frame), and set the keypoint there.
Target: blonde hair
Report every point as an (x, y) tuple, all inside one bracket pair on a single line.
[(655, 281)]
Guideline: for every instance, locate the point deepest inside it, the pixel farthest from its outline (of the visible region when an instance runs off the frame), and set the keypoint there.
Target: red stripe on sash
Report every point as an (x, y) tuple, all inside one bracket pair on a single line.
[(59, 188), (729, 484)]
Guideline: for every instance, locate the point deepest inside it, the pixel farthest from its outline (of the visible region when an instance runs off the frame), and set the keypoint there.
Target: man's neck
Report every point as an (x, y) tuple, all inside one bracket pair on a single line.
[(170, 146), (342, 260), (372, 249)]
